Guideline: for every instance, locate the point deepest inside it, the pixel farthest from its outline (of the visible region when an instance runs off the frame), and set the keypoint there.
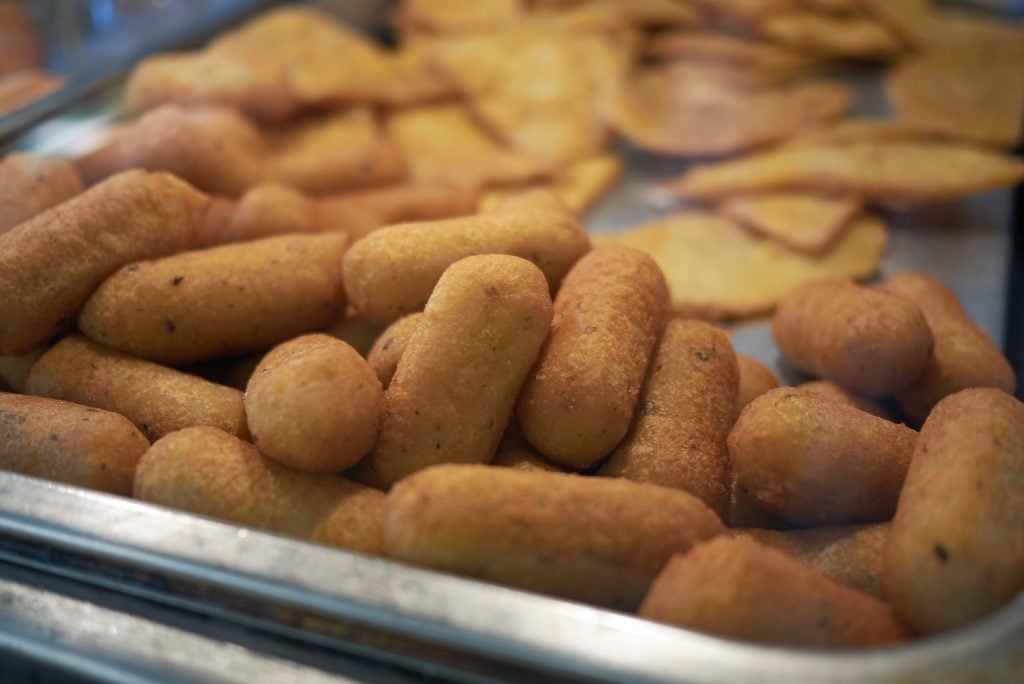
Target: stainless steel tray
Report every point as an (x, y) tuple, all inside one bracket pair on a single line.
[(429, 622), (442, 626)]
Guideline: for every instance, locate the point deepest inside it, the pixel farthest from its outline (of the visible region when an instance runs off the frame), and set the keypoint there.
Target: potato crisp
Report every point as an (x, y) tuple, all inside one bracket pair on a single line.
[(286, 61), (885, 172), (338, 150), (679, 112), (577, 186), (455, 16), (833, 36), (723, 48), (442, 143), (717, 269), (966, 81), (540, 89), (809, 223)]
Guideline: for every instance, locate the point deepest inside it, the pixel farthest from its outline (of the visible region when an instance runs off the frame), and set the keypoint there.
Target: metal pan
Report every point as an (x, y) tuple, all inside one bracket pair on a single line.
[(431, 622), (439, 625)]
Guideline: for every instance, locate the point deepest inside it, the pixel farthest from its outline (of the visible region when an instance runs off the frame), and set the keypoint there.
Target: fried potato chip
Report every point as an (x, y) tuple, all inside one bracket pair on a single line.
[(580, 184), (576, 187), (334, 151), (966, 81), (412, 77), (909, 19), (455, 16), (268, 68), (614, 14), (539, 88), (724, 48), (442, 143), (863, 130), (668, 111), (280, 63), (808, 223), (323, 60), (19, 88), (717, 269), (525, 199), (897, 172), (831, 36), (495, 198), (256, 86), (944, 95), (384, 206), (722, 75), (839, 7), (746, 13)]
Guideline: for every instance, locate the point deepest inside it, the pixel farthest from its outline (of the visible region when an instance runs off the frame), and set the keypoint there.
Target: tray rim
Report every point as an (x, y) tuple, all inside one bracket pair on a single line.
[(373, 596)]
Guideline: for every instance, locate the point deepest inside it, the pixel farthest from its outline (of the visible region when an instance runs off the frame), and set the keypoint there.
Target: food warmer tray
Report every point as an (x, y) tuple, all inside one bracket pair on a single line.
[(322, 610)]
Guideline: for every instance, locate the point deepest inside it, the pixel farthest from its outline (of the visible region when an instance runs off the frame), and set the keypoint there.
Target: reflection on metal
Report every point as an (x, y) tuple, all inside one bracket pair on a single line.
[(424, 619), (46, 633)]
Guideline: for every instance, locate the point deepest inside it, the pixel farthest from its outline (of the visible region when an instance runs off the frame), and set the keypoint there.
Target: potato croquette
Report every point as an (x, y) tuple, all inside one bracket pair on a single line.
[(593, 539), (30, 183), (455, 389), (355, 331), (579, 401), (313, 404), (852, 555), (399, 203), (220, 151), (515, 452), (270, 209), (65, 442), (755, 379), (14, 369), (868, 341), (744, 511), (686, 410), (50, 264), (736, 588), (831, 390), (964, 356), (956, 550), (207, 471), (391, 272), (813, 461), (216, 149), (220, 301), (156, 398), (389, 347)]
